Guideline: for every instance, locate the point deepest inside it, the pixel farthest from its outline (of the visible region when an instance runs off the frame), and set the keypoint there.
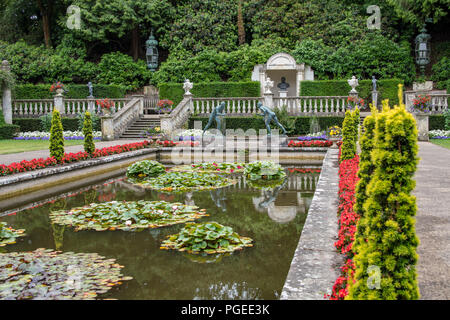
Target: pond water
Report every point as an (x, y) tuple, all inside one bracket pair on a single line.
[(273, 219)]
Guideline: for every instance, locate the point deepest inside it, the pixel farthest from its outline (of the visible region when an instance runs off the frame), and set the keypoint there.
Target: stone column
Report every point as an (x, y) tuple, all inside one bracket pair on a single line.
[(107, 128), (422, 126), (59, 102), (6, 99), (375, 98), (268, 100)]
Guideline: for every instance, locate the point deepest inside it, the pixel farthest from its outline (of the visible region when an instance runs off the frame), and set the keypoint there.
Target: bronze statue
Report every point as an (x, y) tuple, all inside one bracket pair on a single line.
[(217, 112), (283, 85), (270, 116)]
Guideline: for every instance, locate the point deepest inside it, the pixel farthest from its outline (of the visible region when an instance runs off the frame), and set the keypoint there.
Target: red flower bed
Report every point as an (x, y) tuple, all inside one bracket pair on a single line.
[(312, 143), (35, 164), (348, 219), (303, 170)]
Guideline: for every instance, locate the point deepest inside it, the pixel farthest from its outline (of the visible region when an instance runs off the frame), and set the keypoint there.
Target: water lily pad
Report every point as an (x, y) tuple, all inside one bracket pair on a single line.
[(128, 216), (265, 184), (206, 238), (9, 235), (185, 182), (45, 274), (264, 170), (212, 167)]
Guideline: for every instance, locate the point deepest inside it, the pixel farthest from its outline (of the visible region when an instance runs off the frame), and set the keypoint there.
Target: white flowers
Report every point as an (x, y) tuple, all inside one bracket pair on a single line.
[(193, 133), (128, 223), (66, 134), (439, 133)]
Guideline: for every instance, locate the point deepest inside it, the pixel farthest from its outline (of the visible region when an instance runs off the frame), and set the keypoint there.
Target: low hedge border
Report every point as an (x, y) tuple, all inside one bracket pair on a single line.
[(302, 124), (74, 91), (388, 89), (175, 92), (34, 124)]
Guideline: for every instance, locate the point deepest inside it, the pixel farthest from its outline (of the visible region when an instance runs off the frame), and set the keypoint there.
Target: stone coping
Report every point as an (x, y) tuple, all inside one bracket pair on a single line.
[(35, 174), (316, 262)]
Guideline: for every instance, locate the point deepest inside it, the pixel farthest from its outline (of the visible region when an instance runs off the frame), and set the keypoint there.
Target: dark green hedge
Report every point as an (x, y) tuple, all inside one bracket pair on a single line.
[(302, 124), (75, 91), (7, 131), (436, 122), (34, 124), (388, 89), (175, 92)]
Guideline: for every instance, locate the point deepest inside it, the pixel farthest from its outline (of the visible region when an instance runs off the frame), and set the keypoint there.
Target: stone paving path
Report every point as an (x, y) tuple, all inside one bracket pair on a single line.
[(433, 221), (29, 155)]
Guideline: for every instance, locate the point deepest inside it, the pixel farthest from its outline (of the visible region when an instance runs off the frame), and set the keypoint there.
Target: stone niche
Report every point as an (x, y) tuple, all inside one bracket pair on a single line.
[(282, 65)]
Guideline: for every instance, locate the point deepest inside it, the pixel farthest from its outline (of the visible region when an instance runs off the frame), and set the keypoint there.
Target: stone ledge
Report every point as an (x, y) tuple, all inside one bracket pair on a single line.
[(30, 175), (315, 266)]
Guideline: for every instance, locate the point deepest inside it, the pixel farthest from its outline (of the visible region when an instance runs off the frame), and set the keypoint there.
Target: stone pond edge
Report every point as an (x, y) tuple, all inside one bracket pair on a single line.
[(315, 265)]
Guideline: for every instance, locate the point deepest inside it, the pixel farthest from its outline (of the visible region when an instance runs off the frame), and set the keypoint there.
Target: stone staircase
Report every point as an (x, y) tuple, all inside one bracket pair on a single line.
[(137, 128)]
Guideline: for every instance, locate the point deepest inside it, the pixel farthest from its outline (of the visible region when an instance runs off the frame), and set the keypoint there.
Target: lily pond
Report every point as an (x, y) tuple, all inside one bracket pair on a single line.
[(272, 218)]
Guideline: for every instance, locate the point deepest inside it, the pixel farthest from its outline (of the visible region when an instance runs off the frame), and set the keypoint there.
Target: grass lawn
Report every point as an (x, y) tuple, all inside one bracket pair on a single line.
[(441, 142), (15, 146)]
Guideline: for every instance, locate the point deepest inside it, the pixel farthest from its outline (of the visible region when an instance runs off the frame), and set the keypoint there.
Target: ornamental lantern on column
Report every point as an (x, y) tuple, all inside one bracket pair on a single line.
[(423, 49), (152, 52)]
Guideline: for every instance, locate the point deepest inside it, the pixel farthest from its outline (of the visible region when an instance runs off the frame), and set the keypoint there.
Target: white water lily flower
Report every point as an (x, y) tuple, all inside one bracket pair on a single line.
[(174, 207), (128, 223), (160, 211)]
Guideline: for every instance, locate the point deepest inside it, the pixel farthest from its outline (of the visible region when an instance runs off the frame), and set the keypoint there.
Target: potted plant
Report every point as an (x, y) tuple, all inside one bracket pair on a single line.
[(105, 105), (334, 134), (165, 106), (58, 87), (421, 104), (353, 102)]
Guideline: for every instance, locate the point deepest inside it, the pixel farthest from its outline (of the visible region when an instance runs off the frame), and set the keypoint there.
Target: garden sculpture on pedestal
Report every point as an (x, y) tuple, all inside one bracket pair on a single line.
[(270, 116), (91, 91), (215, 116), (374, 84), (268, 85), (187, 87), (283, 85), (353, 82)]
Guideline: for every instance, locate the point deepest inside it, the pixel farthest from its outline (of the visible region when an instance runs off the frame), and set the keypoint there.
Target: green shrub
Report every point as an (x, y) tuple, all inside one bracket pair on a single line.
[(8, 131), (175, 92), (89, 145), (436, 122), (389, 214), (2, 118), (356, 121), (145, 169), (74, 91), (441, 72), (286, 121), (70, 124), (56, 137), (96, 122), (387, 89), (301, 124), (120, 69), (46, 122), (28, 124), (447, 119), (348, 150)]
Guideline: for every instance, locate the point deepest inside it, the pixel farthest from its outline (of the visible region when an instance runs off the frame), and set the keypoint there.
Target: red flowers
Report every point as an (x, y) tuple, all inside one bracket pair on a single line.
[(105, 103), (35, 164), (304, 170), (57, 85), (348, 219), (312, 143)]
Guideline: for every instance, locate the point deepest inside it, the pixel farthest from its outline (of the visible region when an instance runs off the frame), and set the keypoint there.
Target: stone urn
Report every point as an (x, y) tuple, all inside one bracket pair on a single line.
[(335, 140), (59, 91), (106, 112)]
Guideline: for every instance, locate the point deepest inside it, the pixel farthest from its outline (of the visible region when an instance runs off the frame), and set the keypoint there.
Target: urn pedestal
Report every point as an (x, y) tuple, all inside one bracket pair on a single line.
[(422, 126)]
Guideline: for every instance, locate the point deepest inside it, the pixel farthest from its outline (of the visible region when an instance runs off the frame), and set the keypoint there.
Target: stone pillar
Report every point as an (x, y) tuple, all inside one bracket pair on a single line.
[(6, 98), (141, 103), (375, 98), (59, 102), (422, 125), (268, 100), (107, 128)]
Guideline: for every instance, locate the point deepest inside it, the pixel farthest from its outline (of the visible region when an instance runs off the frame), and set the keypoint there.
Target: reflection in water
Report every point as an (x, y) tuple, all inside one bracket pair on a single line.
[(218, 196), (254, 273)]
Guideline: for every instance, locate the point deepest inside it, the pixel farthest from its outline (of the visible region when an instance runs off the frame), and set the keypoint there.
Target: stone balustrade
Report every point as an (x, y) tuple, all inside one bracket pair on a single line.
[(178, 117), (308, 105), (438, 101), (39, 107), (237, 106), (115, 124)]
